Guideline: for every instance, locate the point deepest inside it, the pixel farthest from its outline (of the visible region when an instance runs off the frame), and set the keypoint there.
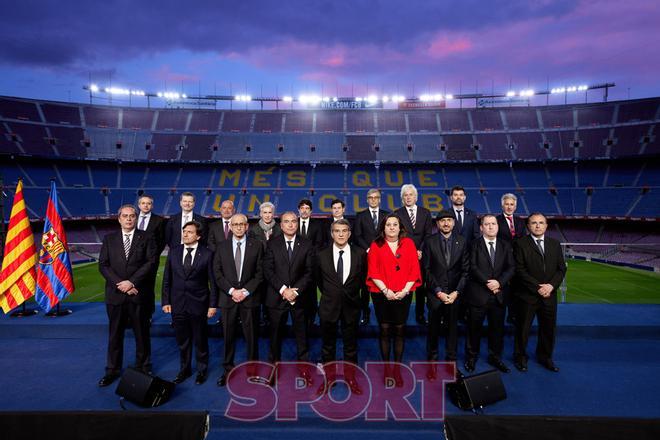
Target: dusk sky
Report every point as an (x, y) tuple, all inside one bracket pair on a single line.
[(51, 49)]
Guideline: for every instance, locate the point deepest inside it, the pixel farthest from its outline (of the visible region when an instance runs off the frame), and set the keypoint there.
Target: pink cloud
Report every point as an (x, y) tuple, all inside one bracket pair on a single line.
[(164, 73), (444, 46)]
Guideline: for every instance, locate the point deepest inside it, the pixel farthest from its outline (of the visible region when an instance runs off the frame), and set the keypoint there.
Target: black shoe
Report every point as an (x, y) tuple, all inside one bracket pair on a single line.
[(108, 379), (470, 365), (222, 381), (497, 363), (200, 378), (549, 365), (181, 376), (521, 365), (421, 320)]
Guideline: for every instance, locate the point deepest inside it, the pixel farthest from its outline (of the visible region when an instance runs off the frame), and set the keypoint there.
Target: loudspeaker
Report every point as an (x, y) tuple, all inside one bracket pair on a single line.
[(144, 389), (477, 391)]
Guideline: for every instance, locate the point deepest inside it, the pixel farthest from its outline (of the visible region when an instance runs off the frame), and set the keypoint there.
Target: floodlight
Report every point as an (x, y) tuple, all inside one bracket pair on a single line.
[(386, 98), (510, 94), (372, 99), (437, 97), (287, 99), (94, 88), (450, 96)]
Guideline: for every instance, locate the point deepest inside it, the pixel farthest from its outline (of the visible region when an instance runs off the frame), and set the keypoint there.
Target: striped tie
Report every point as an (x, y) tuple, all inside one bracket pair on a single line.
[(412, 218), (127, 244)]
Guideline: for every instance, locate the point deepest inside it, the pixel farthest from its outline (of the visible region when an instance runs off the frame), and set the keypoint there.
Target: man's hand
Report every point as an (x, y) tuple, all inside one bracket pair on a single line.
[(125, 286), (452, 297), (132, 292), (290, 294), (210, 313), (238, 295), (419, 255), (167, 309), (545, 290), (493, 285)]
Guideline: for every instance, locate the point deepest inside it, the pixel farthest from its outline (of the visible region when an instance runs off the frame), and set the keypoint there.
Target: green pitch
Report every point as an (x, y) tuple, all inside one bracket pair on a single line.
[(587, 282)]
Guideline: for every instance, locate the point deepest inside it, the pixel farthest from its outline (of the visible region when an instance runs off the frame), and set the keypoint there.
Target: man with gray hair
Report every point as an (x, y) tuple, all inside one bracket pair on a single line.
[(366, 231), (126, 261), (267, 227), (510, 225), (418, 223)]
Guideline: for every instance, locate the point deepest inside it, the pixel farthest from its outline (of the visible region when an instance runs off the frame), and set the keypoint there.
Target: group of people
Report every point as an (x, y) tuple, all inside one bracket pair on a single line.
[(473, 267)]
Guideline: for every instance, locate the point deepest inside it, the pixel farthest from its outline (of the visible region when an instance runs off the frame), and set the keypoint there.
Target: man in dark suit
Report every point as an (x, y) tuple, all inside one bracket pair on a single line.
[(419, 224), (155, 225), (176, 222), (467, 223), (126, 261), (541, 268), (341, 273), (366, 230), (445, 259), (491, 268), (510, 227), (190, 295), (220, 230), (288, 271), (314, 230), (238, 270)]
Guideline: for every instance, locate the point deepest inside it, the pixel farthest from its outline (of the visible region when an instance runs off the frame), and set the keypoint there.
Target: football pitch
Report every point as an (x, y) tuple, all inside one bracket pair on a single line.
[(586, 282)]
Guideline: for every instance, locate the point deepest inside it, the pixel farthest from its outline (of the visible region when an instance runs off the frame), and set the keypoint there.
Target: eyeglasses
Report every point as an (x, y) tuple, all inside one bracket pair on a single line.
[(239, 224)]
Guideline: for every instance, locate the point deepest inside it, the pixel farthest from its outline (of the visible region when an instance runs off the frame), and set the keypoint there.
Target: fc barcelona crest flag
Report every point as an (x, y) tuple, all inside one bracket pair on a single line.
[(54, 274)]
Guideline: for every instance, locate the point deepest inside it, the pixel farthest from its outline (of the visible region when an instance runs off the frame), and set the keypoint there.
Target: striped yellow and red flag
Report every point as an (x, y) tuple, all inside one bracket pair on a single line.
[(18, 276)]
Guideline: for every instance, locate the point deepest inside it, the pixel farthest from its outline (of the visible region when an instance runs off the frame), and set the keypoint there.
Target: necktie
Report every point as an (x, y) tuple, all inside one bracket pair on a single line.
[(491, 251), (226, 229), (237, 260), (289, 249), (511, 226), (187, 261), (304, 229), (459, 213), (127, 244), (412, 218), (374, 218), (142, 220), (539, 243), (447, 251), (340, 267)]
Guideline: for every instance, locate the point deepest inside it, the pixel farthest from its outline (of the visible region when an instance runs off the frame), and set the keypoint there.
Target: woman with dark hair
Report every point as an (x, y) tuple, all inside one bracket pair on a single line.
[(393, 274)]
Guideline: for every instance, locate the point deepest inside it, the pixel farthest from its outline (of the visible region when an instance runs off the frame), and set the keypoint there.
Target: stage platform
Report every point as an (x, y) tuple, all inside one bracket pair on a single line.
[(608, 355)]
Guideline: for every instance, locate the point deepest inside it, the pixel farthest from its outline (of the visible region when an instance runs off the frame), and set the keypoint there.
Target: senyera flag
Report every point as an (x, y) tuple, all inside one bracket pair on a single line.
[(54, 274), (18, 277)]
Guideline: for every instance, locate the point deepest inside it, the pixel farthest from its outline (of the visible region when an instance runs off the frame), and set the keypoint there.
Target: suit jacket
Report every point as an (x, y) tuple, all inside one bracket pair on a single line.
[(192, 291), (534, 268), (173, 230), (470, 230), (441, 277), (216, 234), (503, 232), (482, 270), (316, 232), (226, 277), (257, 233), (423, 224), (156, 228), (364, 232), (115, 267), (279, 271), (334, 294)]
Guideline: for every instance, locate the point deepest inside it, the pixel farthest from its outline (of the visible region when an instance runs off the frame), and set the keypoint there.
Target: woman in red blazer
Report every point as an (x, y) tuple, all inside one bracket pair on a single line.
[(393, 275)]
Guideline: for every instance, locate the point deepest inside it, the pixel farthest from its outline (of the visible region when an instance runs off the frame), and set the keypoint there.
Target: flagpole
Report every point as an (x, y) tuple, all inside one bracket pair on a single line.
[(54, 313)]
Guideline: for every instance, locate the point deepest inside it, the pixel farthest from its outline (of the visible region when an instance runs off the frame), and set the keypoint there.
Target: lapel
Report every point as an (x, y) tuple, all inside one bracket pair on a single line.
[(353, 270), (199, 254), (229, 257), (405, 217), (134, 241)]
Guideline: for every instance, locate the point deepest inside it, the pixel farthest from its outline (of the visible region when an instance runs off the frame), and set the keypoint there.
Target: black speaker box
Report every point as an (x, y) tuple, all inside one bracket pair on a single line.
[(477, 391), (144, 389)]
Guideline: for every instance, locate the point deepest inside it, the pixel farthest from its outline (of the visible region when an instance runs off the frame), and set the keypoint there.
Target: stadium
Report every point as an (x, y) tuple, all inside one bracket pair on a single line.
[(592, 168), (127, 315)]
